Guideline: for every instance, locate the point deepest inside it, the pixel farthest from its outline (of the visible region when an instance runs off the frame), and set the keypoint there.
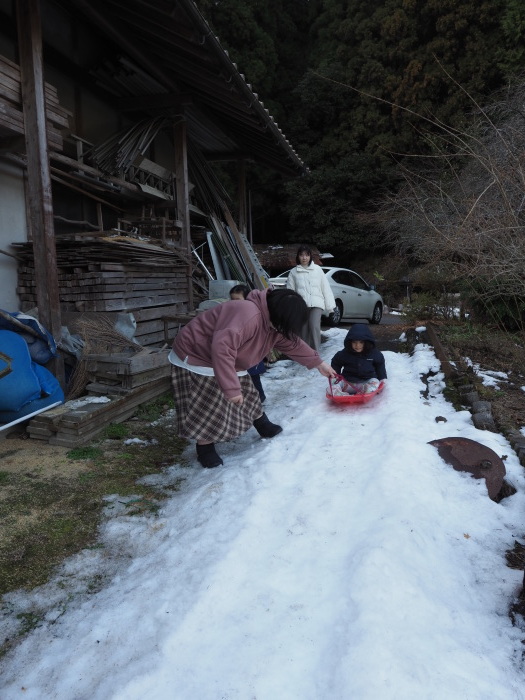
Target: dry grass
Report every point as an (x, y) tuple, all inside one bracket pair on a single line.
[(52, 508), (497, 351), (100, 337)]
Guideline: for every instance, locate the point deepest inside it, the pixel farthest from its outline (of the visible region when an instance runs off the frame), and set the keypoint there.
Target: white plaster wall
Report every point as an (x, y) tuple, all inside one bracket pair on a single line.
[(13, 228)]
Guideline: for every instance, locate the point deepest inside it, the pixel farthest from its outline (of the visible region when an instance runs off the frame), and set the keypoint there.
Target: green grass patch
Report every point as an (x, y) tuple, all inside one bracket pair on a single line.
[(116, 431), (452, 395), (29, 621), (142, 505), (85, 452), (155, 409)]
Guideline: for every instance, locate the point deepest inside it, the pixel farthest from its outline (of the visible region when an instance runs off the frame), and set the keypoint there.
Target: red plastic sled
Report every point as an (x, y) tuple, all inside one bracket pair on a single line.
[(351, 398)]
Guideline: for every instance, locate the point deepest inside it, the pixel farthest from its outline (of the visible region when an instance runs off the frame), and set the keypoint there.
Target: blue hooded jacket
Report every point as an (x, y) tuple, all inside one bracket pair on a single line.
[(360, 366)]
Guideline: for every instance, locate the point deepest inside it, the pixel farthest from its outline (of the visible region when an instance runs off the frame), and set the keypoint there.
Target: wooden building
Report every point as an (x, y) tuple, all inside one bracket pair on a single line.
[(112, 113)]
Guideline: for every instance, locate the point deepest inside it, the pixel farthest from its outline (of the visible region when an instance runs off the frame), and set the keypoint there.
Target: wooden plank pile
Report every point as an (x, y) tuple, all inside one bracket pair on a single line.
[(159, 324), (76, 422), (122, 372), (11, 112), (103, 274)]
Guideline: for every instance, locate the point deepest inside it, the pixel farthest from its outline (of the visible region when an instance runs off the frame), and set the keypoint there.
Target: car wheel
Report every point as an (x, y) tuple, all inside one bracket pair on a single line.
[(377, 314), (336, 316)]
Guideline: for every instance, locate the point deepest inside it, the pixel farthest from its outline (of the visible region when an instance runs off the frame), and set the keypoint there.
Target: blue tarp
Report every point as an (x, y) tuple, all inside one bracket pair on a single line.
[(41, 349), (28, 387)]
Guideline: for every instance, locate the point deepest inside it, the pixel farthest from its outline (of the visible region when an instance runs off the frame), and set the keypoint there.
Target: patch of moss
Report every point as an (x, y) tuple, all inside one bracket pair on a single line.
[(85, 452), (143, 505), (29, 620), (155, 409), (116, 431), (451, 394)]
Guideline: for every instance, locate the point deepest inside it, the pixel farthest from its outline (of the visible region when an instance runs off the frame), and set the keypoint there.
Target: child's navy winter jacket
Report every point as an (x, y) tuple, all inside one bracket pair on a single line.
[(359, 366)]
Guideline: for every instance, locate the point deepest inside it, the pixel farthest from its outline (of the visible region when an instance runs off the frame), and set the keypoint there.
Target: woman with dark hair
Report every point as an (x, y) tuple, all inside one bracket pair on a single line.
[(309, 280), (215, 398)]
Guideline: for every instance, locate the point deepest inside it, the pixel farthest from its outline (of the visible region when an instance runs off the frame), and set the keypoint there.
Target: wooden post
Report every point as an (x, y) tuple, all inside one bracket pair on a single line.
[(242, 196), (250, 229), (39, 195), (183, 195)]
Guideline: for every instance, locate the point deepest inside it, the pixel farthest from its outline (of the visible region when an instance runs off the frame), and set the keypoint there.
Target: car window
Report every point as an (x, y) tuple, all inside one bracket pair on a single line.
[(284, 274), (343, 277), (358, 282)]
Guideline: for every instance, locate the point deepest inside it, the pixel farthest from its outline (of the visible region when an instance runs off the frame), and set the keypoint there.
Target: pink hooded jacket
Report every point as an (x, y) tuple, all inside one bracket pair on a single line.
[(234, 336)]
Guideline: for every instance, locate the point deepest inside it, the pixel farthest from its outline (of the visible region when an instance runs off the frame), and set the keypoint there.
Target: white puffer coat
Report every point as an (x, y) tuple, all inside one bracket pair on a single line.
[(311, 283)]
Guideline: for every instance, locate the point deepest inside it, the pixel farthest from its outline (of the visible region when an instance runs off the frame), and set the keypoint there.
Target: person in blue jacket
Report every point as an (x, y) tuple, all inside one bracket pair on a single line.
[(239, 293), (360, 363)]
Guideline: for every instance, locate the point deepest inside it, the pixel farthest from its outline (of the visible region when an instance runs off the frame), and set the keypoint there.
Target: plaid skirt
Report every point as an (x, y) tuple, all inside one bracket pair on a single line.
[(204, 413)]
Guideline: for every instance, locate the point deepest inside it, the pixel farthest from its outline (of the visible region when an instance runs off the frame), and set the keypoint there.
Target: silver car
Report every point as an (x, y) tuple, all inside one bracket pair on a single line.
[(354, 298)]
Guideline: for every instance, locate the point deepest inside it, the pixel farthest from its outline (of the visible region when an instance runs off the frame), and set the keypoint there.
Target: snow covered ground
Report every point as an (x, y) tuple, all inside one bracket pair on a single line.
[(342, 560)]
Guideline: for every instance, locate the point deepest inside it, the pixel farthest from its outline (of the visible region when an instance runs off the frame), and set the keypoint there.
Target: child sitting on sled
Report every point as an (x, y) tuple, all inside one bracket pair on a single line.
[(360, 364)]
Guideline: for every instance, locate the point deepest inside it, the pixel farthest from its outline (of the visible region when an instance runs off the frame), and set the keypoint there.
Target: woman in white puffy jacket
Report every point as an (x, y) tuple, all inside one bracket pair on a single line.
[(309, 280)]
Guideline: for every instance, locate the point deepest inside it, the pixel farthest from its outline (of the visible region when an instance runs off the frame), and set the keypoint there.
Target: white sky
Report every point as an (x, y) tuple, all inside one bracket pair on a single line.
[(342, 560)]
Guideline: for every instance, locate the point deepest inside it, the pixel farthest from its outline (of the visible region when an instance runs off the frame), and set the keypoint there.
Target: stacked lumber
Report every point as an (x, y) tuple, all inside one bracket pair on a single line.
[(76, 422), (155, 326), (123, 372), (11, 110), (112, 275), (159, 324)]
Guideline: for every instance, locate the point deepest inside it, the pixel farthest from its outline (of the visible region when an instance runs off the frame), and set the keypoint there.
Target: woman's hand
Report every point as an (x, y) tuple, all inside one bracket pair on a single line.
[(327, 371), (237, 399)]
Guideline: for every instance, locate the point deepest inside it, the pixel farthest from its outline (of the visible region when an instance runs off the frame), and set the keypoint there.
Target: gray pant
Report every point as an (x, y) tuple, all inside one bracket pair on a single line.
[(311, 331)]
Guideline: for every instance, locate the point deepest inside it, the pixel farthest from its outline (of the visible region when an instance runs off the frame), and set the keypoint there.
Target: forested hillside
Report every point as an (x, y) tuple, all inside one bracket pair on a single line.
[(352, 83)]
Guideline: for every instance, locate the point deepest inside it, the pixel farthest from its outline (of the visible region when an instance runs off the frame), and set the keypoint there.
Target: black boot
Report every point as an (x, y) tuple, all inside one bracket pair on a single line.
[(265, 427), (207, 456)]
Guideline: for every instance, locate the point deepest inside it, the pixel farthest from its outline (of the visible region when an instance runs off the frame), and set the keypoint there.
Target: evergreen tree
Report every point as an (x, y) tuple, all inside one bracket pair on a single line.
[(266, 38), (512, 53), (352, 83), (377, 69)]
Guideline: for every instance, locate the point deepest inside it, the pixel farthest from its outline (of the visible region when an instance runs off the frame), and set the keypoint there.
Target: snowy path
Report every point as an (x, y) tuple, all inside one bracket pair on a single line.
[(342, 560)]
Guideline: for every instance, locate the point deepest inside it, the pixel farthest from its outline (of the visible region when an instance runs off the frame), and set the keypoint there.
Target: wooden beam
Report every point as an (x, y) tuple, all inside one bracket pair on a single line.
[(173, 102), (82, 191), (113, 33), (258, 274), (183, 194), (39, 195), (242, 195), (225, 156)]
